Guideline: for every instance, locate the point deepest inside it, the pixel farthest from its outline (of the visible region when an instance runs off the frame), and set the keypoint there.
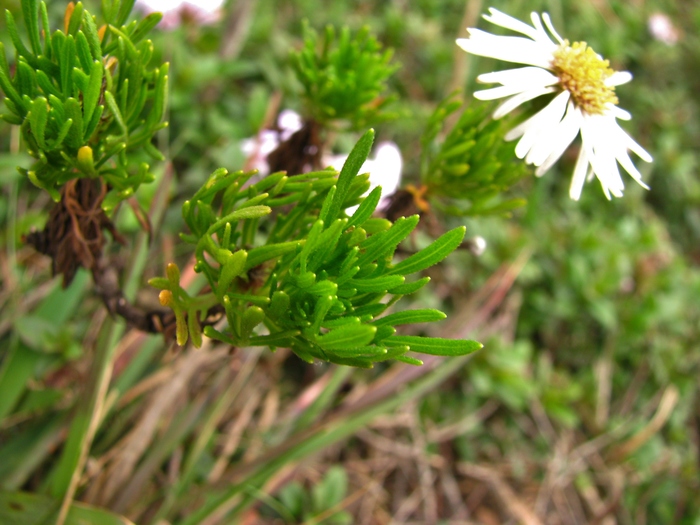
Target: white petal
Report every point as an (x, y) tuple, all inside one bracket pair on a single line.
[(579, 177), (636, 148), (513, 102), (543, 36), (532, 129), (624, 159), (606, 190), (501, 19), (550, 142), (565, 135), (618, 78), (498, 92), (618, 112), (508, 48), (528, 76), (550, 27), (600, 137), (387, 169)]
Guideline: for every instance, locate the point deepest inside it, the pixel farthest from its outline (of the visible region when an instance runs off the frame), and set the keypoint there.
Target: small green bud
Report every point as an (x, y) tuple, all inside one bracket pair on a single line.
[(85, 160)]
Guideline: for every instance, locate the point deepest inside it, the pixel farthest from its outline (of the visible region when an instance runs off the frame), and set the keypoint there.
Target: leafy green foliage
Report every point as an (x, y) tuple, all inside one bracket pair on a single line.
[(600, 324), (303, 506), (472, 167), (319, 281), (344, 81), (86, 99)]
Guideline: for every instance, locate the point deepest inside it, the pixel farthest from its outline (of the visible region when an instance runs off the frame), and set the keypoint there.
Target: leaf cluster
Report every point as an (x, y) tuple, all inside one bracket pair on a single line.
[(319, 281), (85, 98), (472, 167), (344, 76), (298, 504)]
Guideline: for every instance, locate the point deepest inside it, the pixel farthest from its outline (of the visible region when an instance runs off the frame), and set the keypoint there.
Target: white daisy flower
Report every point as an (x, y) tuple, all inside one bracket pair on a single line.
[(585, 100), (203, 12)]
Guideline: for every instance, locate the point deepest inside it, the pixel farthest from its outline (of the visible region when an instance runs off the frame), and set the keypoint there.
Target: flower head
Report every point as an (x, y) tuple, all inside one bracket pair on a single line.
[(661, 28), (202, 12), (584, 102)]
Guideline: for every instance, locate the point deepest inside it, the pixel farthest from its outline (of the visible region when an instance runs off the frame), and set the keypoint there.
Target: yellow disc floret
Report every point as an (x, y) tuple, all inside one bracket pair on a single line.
[(583, 73)]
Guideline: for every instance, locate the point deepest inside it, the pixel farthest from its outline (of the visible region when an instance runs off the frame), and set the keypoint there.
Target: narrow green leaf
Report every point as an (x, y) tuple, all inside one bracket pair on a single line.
[(357, 362), (310, 243), (376, 225), (349, 336), (341, 321), (93, 38), (144, 26), (276, 339), (6, 82), (26, 80), (370, 310), (393, 352), (49, 187), (125, 7), (112, 105), (194, 328), (409, 360), (326, 207), (251, 212), (350, 169), (366, 208), (38, 117), (213, 333), (162, 283), (62, 134), (108, 10), (377, 284), (46, 29), (67, 60), (409, 288), (91, 96), (232, 268), (259, 255), (427, 315), (327, 242), (433, 254), (76, 18), (74, 139), (323, 288), (82, 48), (323, 305), (160, 98), (81, 80), (46, 85), (382, 333), (11, 118), (304, 279), (279, 305), (252, 317), (372, 351), (14, 36), (30, 12), (435, 345), (385, 242)]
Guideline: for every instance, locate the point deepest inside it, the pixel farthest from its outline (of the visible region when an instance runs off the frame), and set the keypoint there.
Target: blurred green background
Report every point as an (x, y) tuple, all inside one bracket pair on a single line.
[(583, 406)]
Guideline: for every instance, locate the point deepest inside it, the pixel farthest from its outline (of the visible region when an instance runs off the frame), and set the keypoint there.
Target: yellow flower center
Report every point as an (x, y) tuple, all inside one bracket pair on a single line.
[(583, 73)]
